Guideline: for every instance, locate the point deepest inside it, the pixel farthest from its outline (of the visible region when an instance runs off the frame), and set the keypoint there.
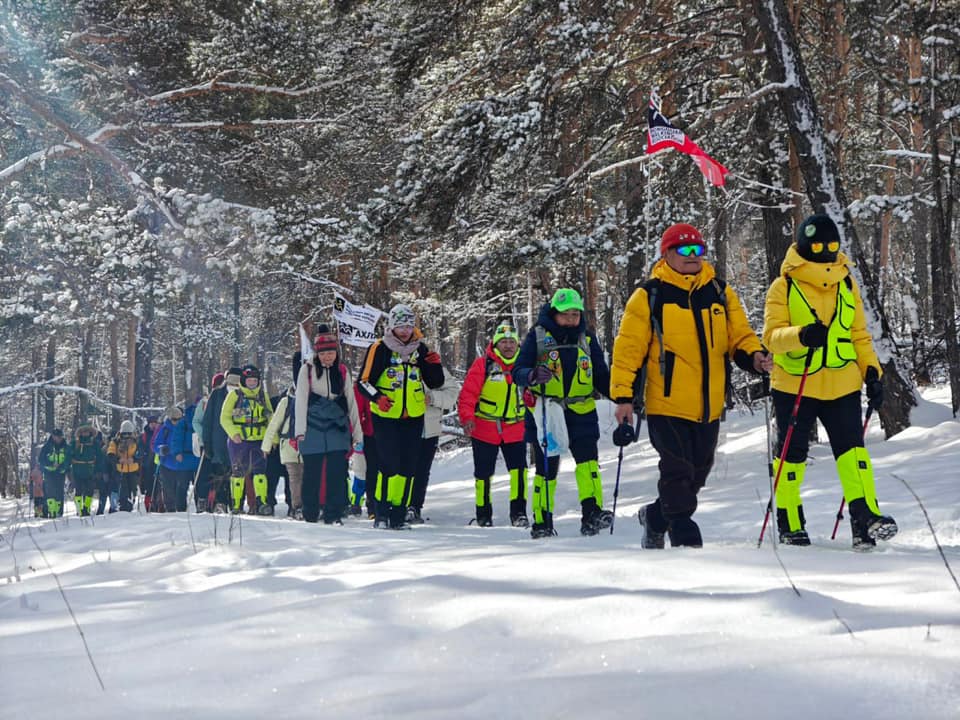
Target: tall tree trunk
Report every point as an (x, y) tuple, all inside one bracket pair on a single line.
[(143, 391), (49, 404), (115, 415), (83, 373), (131, 361), (825, 189)]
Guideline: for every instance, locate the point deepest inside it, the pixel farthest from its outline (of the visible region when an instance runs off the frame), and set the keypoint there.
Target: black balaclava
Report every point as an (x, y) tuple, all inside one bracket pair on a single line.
[(818, 229)]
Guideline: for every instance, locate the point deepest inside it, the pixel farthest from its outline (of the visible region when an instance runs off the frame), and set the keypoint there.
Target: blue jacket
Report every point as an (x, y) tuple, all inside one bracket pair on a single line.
[(177, 439), (578, 426)]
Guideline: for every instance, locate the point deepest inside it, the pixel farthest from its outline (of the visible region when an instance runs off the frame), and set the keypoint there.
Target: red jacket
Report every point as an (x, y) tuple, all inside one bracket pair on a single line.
[(363, 409), (486, 430)]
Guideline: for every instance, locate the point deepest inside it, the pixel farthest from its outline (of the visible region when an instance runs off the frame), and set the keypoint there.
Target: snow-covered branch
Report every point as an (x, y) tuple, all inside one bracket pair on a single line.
[(216, 85), (919, 156)]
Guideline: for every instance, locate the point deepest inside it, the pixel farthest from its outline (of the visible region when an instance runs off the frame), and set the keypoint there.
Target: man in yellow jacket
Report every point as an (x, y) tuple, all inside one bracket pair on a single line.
[(814, 310), (683, 326)]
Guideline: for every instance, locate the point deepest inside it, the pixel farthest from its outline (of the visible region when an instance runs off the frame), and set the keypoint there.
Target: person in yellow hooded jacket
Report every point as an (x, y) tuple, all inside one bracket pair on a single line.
[(683, 326), (814, 313)]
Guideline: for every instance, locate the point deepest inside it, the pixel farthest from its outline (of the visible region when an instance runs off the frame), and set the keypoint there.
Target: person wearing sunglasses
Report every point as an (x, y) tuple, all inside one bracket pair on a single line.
[(672, 352), (814, 310)]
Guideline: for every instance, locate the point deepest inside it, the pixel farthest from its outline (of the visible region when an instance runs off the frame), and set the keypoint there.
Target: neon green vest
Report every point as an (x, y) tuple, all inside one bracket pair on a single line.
[(401, 382), (839, 349), (580, 398), (499, 399), (250, 414)]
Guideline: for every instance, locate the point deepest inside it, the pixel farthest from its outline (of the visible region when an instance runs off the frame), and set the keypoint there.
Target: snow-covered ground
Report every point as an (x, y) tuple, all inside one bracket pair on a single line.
[(450, 621)]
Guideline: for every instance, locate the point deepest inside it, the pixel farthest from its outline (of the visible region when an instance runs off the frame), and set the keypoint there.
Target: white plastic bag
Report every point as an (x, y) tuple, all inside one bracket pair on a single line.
[(557, 438)]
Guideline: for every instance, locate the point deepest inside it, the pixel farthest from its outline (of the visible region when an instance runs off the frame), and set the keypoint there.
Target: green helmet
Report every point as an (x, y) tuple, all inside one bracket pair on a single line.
[(566, 299)]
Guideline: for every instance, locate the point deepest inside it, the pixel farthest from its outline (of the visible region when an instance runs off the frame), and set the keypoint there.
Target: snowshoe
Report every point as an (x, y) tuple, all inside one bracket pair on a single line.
[(413, 516), (791, 537), (540, 530), (520, 521)]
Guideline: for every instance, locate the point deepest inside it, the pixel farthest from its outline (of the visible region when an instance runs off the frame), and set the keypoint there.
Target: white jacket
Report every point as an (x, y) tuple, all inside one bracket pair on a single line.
[(439, 401), (280, 423)]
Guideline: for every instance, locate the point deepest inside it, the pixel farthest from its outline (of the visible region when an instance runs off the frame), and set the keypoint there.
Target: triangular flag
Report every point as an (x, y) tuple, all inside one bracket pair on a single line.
[(306, 347)]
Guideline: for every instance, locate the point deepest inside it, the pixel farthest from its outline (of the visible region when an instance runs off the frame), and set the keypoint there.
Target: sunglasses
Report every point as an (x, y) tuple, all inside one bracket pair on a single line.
[(691, 250), (817, 247)]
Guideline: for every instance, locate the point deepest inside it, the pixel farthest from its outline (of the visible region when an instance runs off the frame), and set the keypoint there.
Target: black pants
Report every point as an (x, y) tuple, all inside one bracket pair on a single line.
[(175, 484), (128, 488), (686, 450), (421, 476), (582, 448), (370, 455), (325, 483), (398, 445), (485, 464), (840, 417), (275, 471)]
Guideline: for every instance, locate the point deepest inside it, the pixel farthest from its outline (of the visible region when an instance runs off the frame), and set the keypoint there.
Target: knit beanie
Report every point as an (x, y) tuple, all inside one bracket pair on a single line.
[(679, 234)]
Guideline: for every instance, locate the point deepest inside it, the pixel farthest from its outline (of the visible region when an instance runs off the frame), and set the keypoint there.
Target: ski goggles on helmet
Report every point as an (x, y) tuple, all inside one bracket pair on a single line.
[(817, 247), (691, 250)]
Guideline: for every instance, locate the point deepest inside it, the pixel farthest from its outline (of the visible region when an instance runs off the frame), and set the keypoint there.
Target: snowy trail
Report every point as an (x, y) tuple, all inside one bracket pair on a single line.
[(450, 621)]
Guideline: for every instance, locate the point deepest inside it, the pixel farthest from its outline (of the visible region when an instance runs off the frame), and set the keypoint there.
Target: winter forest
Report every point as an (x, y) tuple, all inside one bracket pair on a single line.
[(181, 183)]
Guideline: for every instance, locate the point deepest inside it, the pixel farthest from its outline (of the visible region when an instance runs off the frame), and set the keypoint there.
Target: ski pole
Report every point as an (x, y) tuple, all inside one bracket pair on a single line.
[(628, 435), (786, 441), (544, 444), (843, 501)]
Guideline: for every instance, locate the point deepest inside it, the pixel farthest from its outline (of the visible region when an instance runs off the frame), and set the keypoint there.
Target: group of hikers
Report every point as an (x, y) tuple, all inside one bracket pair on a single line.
[(350, 445)]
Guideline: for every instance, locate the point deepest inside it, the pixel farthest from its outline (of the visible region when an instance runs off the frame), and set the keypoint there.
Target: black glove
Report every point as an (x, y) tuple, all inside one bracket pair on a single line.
[(624, 434), (814, 335), (540, 375), (874, 388)]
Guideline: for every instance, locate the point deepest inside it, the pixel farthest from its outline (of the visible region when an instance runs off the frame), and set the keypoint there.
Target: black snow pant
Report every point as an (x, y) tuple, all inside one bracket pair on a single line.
[(686, 450), (398, 445), (421, 476)]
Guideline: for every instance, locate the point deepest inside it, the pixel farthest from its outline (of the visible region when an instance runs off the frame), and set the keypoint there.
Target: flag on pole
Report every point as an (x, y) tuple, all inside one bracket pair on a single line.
[(662, 134), (306, 347), (356, 324)]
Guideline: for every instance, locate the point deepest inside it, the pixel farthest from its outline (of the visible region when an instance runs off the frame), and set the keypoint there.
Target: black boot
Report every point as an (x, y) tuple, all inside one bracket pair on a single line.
[(485, 515), (518, 513), (654, 525), (544, 529), (788, 536), (684, 532), (867, 527)]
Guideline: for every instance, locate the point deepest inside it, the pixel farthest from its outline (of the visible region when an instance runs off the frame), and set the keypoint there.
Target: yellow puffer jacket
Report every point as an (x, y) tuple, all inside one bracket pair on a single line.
[(698, 334), (818, 283)]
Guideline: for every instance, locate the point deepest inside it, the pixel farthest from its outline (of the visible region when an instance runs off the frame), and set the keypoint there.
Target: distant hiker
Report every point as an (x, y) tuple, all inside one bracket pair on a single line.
[(125, 455), (492, 411), (396, 370), (562, 364), (177, 461), (815, 307), (201, 490), (280, 431), (216, 442), (244, 417), (149, 468), (681, 328), (85, 462), (54, 460), (327, 428)]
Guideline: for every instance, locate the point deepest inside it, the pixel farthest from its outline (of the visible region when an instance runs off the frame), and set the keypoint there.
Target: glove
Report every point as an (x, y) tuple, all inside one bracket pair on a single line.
[(294, 442), (540, 375), (874, 388), (432, 357), (358, 447), (163, 450), (529, 399), (814, 335), (624, 434), (384, 403)]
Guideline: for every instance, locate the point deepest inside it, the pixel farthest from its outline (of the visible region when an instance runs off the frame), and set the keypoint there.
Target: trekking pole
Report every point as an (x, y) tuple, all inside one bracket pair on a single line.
[(843, 501), (544, 445), (786, 441), (627, 435), (768, 398)]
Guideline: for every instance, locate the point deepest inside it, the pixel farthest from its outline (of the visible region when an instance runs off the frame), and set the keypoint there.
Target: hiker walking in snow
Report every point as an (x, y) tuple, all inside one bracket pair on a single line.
[(216, 442), (678, 332), (54, 460), (396, 370), (439, 401), (178, 464), (562, 364), (244, 417), (280, 431), (124, 454), (491, 413), (85, 462), (815, 325), (365, 459), (149, 468), (327, 429), (201, 490)]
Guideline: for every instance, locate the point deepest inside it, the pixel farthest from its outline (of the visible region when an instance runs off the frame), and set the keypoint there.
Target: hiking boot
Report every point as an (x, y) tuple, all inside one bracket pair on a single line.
[(603, 519), (652, 540), (355, 510), (220, 508), (381, 524), (867, 527), (298, 513), (862, 542), (881, 527), (589, 526), (201, 505), (788, 536), (484, 515), (684, 532), (541, 530), (520, 521), (413, 516)]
